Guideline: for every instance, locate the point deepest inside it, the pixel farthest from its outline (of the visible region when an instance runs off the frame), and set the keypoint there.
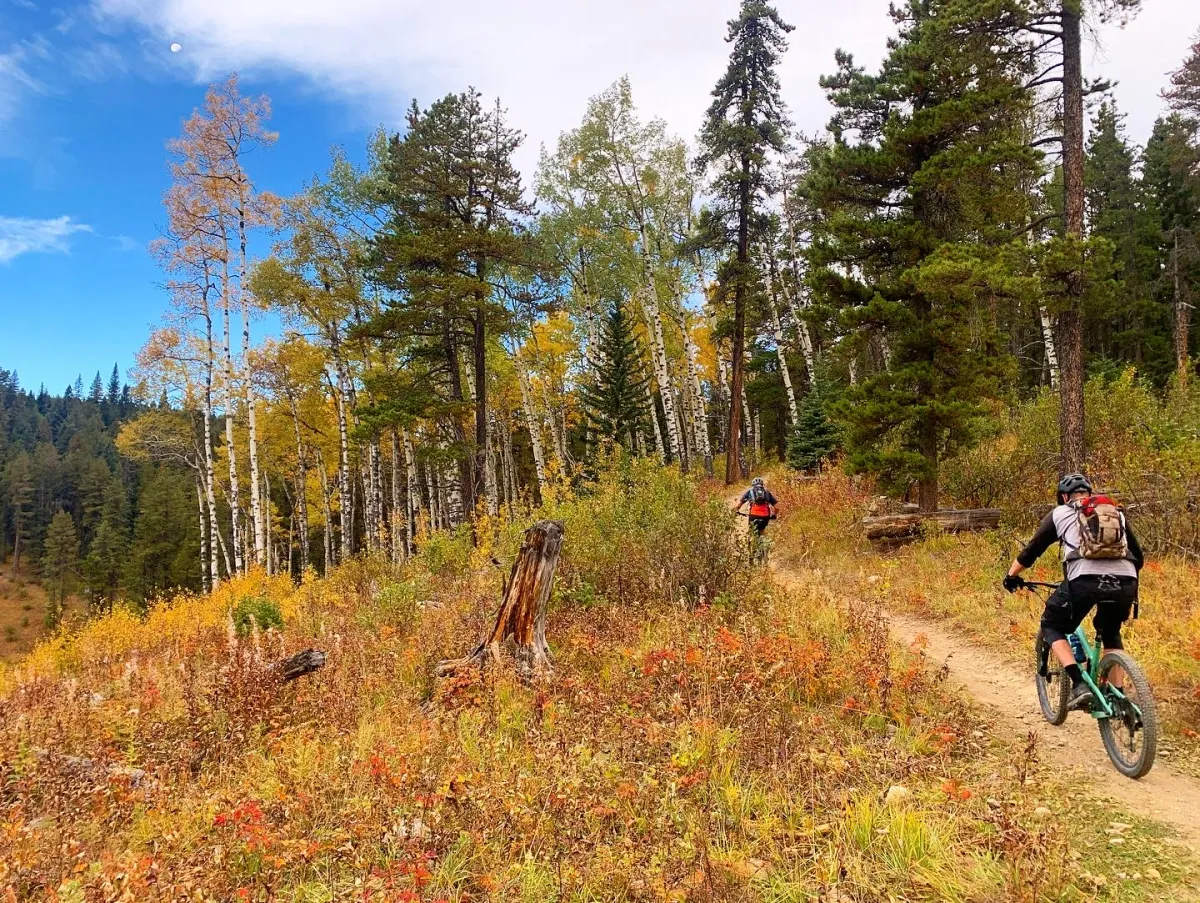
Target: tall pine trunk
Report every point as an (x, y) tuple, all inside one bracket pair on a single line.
[(1070, 319), (734, 466)]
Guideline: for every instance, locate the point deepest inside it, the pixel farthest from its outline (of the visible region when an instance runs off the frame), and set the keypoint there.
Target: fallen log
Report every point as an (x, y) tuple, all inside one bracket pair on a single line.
[(909, 526), (522, 614)]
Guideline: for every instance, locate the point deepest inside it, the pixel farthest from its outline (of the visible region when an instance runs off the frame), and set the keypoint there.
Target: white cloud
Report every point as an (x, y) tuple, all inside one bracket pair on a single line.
[(19, 235), (544, 58)]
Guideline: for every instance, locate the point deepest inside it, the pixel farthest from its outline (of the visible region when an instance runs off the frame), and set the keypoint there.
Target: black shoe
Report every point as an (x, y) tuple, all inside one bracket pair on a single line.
[(1081, 698)]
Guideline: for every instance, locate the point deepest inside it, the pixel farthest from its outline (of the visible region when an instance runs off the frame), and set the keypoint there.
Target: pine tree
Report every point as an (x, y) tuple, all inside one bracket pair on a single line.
[(1184, 93), (109, 551), (615, 399), (745, 125), (1171, 176), (918, 208), (60, 562), (815, 437), (96, 395), (1125, 324), (114, 386)]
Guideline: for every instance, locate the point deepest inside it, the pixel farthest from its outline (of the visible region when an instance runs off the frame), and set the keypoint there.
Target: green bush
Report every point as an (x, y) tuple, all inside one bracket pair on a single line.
[(1143, 446), (639, 532), (258, 612)]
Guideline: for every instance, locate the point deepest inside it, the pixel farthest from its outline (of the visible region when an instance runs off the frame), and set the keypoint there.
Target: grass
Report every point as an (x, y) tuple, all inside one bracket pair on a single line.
[(773, 747), (19, 597)]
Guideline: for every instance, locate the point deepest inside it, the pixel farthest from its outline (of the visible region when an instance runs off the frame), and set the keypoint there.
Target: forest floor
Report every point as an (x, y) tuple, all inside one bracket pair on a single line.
[(22, 613)]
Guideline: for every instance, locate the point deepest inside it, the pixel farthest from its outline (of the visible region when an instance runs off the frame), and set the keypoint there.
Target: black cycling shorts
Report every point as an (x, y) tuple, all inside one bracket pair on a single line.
[(759, 524), (1112, 597)]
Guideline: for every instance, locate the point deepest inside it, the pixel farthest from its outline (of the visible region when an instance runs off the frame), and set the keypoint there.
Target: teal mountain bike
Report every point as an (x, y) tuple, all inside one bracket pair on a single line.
[(1122, 702)]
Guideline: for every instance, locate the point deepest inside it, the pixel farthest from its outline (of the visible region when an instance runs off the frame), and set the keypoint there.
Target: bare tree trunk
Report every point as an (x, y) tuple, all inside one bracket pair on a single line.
[(205, 578), (658, 436), (234, 490), (1048, 342), (345, 489), (1070, 318), (696, 391), (412, 491), (491, 484), (266, 519), (209, 470), (522, 614), (534, 427), (1183, 320), (658, 348), (301, 484), (396, 523), (772, 292), (328, 505)]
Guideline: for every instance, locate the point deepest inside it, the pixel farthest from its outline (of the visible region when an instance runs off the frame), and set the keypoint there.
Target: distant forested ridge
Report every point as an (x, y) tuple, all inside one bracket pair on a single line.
[(76, 512)]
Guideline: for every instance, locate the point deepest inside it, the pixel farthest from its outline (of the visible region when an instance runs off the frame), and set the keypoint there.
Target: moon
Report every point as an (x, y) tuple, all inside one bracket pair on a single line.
[(175, 48)]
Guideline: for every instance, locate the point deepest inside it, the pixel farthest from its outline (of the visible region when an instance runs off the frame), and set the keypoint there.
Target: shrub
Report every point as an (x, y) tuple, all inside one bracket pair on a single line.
[(640, 532), (255, 611)]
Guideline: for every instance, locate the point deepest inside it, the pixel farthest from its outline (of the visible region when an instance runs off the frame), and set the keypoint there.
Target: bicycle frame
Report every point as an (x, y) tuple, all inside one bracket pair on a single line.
[(1101, 708)]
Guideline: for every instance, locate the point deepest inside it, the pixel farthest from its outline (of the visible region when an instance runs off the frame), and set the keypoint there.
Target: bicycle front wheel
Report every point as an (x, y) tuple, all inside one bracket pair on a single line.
[(1053, 685), (1131, 736)]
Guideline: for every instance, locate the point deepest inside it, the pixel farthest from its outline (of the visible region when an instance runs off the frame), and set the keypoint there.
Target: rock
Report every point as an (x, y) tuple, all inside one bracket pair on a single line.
[(897, 793), (824, 828), (1116, 841), (1117, 827), (1042, 812), (873, 579), (993, 803), (1153, 875)]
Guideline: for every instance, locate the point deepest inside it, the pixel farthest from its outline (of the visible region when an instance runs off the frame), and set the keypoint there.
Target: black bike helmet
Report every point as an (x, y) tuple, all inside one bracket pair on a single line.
[(1073, 483), (757, 482)]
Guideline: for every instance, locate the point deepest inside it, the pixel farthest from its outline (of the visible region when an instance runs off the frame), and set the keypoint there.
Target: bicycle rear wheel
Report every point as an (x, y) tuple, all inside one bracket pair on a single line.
[(1130, 738), (1054, 688)]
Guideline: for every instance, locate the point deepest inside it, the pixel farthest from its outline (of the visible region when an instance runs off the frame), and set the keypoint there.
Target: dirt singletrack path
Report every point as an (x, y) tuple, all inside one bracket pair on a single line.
[(1165, 795)]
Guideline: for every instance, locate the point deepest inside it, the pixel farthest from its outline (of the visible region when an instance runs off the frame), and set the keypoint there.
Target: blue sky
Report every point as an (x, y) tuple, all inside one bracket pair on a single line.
[(90, 92)]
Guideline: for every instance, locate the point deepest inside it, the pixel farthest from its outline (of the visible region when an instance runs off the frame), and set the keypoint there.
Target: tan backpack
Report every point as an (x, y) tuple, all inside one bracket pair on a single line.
[(1101, 529)]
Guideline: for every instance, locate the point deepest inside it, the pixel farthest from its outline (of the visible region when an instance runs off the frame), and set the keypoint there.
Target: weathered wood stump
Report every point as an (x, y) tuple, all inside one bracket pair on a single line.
[(298, 665), (893, 527), (522, 614)]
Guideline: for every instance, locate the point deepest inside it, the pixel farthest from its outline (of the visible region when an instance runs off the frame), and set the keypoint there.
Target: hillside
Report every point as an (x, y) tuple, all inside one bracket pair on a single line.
[(708, 733)]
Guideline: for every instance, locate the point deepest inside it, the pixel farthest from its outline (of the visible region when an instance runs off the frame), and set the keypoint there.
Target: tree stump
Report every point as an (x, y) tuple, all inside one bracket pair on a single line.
[(522, 614)]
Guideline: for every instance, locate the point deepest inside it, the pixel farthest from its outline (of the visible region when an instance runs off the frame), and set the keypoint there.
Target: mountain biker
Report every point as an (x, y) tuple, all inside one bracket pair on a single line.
[(762, 505), (1107, 580)]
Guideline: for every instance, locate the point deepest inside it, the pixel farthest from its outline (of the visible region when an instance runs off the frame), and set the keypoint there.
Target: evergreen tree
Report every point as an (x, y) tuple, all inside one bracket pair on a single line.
[(109, 551), (165, 546), (60, 562), (919, 207), (815, 437), (615, 400), (745, 125), (1184, 93), (1171, 176), (96, 395), (78, 389), (114, 386), (457, 208), (1125, 325)]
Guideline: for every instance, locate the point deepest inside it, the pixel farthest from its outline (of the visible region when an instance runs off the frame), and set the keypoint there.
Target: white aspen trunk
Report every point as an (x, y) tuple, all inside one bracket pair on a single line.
[(396, 522), (658, 355), (435, 502), (328, 504), (696, 391), (534, 427), (510, 469), (751, 431), (257, 514), (205, 580), (345, 487), (852, 367), (659, 448), (777, 326), (456, 511), (491, 486), (235, 503), (560, 450), (412, 490), (1048, 344), (807, 350), (266, 518), (301, 487), (214, 572), (757, 438)]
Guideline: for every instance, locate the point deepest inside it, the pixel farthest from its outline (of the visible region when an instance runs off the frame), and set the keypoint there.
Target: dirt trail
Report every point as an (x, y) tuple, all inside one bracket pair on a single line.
[(1164, 795)]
